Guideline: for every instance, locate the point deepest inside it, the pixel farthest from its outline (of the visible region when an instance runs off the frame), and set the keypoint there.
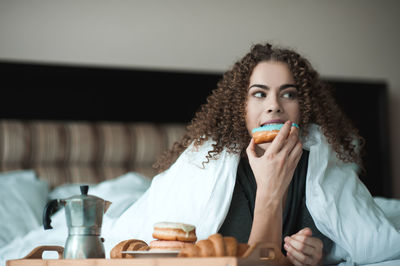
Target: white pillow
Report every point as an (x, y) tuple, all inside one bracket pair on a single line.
[(122, 191), (22, 200)]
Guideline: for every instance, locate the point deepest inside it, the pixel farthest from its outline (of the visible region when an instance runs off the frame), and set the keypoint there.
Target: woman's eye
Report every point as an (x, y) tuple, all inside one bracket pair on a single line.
[(259, 94), (289, 95)]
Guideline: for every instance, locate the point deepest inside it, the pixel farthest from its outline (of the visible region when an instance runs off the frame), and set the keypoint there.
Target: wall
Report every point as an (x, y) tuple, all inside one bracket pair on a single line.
[(344, 39)]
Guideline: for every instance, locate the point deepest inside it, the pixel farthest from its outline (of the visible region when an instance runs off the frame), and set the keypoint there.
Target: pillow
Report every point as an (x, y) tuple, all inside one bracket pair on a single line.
[(22, 200), (122, 191)]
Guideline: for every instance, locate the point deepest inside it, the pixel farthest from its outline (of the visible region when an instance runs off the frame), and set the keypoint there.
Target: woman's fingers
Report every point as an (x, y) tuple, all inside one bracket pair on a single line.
[(305, 231), (296, 152), (280, 139), (294, 260), (298, 246), (311, 243), (287, 144), (304, 256), (293, 140), (302, 248), (251, 149)]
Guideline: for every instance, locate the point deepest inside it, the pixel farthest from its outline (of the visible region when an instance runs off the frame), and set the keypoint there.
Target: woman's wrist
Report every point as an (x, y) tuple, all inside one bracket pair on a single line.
[(267, 203), (269, 197), (267, 222)]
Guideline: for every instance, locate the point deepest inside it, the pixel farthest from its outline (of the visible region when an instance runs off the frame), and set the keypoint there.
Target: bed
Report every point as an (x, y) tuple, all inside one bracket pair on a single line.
[(62, 126)]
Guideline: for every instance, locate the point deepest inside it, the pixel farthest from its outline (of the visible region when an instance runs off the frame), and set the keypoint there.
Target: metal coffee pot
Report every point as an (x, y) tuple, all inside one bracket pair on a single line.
[(84, 214)]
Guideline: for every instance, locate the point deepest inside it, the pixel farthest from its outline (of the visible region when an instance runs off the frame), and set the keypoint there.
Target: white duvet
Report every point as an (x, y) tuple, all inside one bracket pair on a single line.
[(365, 230)]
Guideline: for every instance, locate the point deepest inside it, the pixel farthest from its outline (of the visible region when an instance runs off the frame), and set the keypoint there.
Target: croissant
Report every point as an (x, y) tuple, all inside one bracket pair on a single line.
[(127, 245), (215, 246)]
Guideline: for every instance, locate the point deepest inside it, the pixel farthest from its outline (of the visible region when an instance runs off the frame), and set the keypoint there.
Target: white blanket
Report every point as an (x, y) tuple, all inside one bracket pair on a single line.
[(365, 230)]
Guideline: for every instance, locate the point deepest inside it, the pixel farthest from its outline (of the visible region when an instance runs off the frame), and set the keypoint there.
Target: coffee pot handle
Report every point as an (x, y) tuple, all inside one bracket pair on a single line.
[(48, 211)]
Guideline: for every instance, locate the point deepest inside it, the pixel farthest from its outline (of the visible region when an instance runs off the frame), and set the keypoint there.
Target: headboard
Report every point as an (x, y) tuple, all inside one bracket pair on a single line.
[(115, 111), (82, 151)]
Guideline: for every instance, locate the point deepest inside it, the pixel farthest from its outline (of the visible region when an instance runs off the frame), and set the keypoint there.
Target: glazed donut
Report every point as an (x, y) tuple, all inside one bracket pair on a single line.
[(174, 231), (267, 133), (169, 245), (127, 245)]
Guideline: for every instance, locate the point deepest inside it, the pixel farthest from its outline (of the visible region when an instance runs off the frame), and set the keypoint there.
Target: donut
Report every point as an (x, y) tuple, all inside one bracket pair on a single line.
[(169, 245), (174, 231), (267, 133), (127, 245)]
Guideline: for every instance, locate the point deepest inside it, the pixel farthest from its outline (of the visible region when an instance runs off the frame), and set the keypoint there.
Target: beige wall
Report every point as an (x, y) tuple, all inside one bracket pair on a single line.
[(345, 39)]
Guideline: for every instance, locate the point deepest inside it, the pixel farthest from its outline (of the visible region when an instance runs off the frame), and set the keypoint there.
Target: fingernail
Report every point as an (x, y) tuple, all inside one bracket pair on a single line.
[(295, 125)]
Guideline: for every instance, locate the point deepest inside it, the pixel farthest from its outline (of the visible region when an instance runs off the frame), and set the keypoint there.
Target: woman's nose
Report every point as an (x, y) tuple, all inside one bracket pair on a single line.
[(274, 110), (273, 105)]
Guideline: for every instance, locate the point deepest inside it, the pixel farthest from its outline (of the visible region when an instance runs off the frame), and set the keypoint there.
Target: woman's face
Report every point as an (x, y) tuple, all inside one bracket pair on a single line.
[(272, 96)]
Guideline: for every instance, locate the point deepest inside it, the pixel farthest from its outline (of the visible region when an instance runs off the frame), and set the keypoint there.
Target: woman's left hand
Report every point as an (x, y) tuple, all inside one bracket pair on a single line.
[(303, 249)]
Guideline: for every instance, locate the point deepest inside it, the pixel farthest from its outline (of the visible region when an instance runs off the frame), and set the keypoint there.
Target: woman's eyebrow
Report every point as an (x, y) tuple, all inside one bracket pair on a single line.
[(285, 86), (265, 87)]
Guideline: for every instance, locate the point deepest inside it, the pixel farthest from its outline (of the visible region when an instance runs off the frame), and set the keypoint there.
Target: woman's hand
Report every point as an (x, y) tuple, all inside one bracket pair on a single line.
[(303, 249), (274, 169)]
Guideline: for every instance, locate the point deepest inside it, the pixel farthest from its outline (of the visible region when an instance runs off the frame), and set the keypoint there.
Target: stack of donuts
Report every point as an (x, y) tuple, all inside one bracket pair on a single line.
[(172, 236)]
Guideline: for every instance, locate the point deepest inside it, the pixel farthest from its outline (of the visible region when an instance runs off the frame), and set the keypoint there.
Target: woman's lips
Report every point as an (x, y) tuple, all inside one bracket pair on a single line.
[(274, 121)]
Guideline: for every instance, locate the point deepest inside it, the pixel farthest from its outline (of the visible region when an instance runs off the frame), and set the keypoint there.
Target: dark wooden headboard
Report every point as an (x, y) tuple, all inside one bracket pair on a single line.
[(68, 92)]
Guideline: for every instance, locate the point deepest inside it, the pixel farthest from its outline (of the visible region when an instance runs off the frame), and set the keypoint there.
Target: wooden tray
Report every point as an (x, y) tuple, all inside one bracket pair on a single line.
[(260, 254)]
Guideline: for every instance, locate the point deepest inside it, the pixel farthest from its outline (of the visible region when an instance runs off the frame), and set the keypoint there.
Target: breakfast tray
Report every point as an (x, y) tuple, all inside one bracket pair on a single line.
[(259, 254)]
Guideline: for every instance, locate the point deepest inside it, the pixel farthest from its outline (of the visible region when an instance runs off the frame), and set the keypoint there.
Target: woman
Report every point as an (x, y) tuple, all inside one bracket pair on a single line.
[(301, 191), (270, 85)]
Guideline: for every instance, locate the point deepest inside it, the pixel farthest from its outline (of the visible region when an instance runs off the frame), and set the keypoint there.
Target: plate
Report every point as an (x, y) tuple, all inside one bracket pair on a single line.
[(153, 254)]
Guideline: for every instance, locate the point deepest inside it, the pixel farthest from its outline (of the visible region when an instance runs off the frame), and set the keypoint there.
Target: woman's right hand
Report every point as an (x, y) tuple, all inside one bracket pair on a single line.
[(274, 169)]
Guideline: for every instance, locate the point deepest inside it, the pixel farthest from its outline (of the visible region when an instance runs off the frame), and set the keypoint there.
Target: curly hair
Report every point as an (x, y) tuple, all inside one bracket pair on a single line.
[(222, 117)]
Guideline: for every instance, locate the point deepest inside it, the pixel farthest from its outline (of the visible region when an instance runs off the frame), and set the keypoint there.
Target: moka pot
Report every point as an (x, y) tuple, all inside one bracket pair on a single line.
[(84, 215)]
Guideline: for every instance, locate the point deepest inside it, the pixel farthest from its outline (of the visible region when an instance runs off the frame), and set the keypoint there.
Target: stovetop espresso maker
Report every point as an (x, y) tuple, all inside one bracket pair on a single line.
[(84, 214)]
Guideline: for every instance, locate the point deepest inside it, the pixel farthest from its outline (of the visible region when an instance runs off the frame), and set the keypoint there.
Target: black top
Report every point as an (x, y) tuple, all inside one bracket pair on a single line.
[(239, 220)]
